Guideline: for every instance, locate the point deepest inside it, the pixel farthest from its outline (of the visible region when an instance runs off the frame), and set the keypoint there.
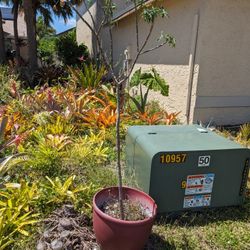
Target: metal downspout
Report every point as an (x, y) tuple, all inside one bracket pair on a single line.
[(192, 64)]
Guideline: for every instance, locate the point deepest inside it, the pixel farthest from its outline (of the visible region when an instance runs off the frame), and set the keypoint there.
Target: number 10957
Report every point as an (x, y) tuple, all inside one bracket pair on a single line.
[(173, 158)]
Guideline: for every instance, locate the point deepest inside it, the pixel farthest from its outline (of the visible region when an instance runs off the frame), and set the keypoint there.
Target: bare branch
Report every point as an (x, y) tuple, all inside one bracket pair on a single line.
[(90, 14), (100, 27), (141, 49), (153, 48)]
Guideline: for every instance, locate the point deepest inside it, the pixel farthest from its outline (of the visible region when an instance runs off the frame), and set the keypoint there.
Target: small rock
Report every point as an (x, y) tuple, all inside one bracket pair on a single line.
[(40, 246), (56, 245), (64, 234), (66, 224), (69, 210), (46, 234)]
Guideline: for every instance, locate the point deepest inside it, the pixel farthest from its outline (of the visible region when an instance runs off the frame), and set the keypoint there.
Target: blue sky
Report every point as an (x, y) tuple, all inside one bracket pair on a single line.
[(59, 25)]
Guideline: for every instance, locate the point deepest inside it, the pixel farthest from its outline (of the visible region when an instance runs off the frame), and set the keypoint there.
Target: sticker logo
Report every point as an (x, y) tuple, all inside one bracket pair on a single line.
[(204, 161), (199, 184), (197, 201)]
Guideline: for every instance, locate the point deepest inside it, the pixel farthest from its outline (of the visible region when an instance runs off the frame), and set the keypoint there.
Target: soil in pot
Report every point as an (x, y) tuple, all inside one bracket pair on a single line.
[(133, 210)]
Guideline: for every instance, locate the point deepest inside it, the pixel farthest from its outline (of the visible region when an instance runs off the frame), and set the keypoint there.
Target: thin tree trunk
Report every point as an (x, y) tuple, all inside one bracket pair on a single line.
[(118, 149), (31, 33), (15, 27), (2, 46)]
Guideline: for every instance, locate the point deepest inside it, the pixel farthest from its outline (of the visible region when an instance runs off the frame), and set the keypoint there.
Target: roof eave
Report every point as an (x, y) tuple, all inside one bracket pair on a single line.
[(128, 11)]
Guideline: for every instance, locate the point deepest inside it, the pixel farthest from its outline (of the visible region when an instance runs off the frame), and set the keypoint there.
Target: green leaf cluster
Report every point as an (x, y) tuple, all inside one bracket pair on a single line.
[(69, 52), (89, 78), (152, 81), (59, 192), (149, 14), (16, 212)]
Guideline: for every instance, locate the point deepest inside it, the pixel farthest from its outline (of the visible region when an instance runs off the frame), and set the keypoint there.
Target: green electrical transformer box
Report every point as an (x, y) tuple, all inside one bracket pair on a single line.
[(186, 167)]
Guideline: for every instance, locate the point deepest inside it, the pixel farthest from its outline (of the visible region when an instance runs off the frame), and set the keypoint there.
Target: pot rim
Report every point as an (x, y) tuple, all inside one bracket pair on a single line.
[(125, 222)]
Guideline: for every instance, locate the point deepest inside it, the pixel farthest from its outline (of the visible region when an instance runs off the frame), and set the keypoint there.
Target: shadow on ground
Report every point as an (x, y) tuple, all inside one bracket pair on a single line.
[(205, 217), (157, 242)]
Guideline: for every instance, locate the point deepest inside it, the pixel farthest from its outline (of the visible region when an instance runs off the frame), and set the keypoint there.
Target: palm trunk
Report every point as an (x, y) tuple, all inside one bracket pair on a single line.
[(31, 33), (15, 27), (2, 46)]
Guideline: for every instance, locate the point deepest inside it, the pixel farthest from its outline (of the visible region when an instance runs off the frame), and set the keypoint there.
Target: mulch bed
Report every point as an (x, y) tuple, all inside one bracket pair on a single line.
[(67, 229)]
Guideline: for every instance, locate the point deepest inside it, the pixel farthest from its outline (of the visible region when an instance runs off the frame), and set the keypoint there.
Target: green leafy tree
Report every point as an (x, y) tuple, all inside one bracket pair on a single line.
[(46, 41), (31, 9), (69, 52)]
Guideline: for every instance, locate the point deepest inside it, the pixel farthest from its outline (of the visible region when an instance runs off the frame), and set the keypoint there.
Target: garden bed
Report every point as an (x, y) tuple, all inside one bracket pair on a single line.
[(57, 147)]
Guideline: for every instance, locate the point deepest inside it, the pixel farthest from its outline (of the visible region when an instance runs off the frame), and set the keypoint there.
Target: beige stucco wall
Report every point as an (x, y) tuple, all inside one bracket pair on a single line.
[(8, 26), (171, 63), (83, 33), (221, 89), (22, 32), (223, 84)]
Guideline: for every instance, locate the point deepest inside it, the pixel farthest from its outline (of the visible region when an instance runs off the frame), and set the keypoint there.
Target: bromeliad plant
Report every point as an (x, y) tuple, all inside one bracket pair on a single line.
[(16, 213), (90, 77), (59, 192), (8, 162)]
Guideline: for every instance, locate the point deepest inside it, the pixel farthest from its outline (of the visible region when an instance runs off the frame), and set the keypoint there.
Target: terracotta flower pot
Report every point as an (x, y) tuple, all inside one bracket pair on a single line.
[(116, 234)]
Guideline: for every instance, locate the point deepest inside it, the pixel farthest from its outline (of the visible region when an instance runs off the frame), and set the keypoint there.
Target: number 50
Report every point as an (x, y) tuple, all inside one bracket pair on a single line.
[(204, 161)]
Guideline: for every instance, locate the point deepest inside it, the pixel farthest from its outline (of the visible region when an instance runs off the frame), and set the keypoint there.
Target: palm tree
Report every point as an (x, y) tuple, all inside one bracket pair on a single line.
[(31, 8), (30, 18), (15, 11), (2, 47)]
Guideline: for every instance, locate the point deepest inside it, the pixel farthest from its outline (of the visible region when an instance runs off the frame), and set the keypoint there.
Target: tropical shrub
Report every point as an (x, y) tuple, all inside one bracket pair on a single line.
[(9, 132), (89, 149), (151, 81), (16, 214), (53, 124), (47, 49), (50, 75), (100, 118), (47, 154), (8, 83), (90, 77), (9, 162), (59, 192), (69, 52), (46, 41)]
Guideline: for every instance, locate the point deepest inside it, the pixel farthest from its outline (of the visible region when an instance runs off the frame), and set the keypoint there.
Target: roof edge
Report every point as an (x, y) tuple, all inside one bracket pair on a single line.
[(129, 10)]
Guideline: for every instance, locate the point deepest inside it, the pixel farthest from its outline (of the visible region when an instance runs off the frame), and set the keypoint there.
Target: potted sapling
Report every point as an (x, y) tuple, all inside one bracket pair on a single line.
[(122, 216)]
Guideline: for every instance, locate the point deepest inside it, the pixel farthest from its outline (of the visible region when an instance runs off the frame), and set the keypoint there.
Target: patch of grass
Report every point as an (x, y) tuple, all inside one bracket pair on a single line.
[(222, 228)]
